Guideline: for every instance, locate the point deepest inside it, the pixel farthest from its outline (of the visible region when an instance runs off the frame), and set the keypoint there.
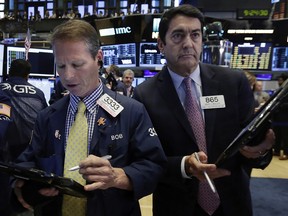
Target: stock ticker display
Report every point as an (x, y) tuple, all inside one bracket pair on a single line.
[(42, 60), (122, 55), (280, 59), (15, 53), (150, 55), (2, 50), (251, 56)]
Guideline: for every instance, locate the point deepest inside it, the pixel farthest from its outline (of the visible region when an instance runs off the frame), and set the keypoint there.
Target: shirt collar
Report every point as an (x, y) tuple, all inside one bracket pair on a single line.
[(195, 76), (89, 101), (177, 79)]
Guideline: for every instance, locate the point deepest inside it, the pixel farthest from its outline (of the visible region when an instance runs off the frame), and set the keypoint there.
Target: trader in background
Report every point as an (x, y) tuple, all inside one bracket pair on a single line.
[(27, 101), (58, 91), (114, 79), (198, 109), (280, 125), (127, 79), (5, 120), (260, 95)]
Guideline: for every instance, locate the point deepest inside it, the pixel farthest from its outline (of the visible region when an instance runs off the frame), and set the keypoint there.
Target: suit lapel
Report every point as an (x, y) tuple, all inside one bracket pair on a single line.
[(99, 129), (172, 101), (58, 121)]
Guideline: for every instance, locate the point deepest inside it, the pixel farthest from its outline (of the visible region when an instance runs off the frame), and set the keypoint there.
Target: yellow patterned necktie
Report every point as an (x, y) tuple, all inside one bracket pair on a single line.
[(76, 150)]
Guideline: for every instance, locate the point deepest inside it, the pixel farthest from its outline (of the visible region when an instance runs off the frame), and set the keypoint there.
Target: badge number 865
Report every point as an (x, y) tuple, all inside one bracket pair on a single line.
[(211, 99)]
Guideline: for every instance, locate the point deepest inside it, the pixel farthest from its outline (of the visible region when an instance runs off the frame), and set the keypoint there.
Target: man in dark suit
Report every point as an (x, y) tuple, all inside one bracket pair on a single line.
[(226, 103), (127, 135)]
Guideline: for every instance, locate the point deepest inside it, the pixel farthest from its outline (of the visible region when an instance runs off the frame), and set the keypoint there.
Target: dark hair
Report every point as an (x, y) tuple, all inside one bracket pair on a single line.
[(19, 68), (185, 10), (283, 76), (100, 63), (114, 69)]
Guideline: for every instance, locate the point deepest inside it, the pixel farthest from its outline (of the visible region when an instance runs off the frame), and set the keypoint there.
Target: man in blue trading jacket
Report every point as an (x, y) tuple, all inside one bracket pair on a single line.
[(5, 119), (127, 135), (27, 101)]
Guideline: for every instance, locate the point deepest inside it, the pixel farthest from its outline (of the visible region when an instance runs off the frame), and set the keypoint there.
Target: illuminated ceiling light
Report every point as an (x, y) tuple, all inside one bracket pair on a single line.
[(250, 31), (264, 31), (248, 38)]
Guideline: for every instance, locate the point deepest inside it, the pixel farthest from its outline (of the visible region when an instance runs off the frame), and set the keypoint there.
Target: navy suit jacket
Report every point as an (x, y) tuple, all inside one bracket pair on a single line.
[(178, 196), (4, 178), (4, 119), (129, 138)]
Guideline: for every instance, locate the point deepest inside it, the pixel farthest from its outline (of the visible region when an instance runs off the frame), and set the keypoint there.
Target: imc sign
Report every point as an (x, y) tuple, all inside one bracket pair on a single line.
[(118, 30), (128, 29), (115, 31)]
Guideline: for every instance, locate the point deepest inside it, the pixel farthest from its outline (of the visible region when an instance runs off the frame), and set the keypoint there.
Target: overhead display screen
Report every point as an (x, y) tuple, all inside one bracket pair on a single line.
[(217, 52), (126, 29), (280, 59), (2, 49), (251, 56), (122, 55), (150, 56), (119, 29), (41, 60)]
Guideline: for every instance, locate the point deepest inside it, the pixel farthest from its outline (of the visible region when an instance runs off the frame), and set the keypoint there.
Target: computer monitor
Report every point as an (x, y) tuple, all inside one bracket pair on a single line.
[(46, 85), (2, 50), (150, 55), (42, 60), (122, 55), (280, 59), (217, 52), (251, 56)]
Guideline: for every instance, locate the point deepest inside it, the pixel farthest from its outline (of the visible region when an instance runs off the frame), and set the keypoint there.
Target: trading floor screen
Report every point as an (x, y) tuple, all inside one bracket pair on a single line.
[(280, 59), (150, 56), (42, 60), (252, 56), (122, 55)]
